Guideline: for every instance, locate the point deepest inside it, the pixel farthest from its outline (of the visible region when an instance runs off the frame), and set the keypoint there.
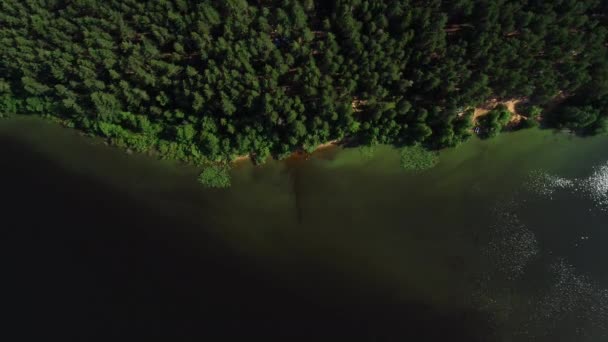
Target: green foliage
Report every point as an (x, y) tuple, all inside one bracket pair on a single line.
[(532, 117), (418, 158), (495, 121), (8, 104), (213, 79), (463, 126), (579, 118), (215, 176), (534, 112), (584, 113)]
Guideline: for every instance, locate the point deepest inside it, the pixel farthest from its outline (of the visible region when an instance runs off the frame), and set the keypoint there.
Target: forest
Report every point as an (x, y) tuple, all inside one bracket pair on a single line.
[(212, 80)]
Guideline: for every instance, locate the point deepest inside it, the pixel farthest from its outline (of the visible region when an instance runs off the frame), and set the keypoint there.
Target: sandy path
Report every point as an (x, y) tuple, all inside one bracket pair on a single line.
[(510, 104)]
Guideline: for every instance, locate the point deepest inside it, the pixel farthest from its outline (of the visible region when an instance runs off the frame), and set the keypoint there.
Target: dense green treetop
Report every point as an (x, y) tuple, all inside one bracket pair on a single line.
[(494, 121), (210, 80)]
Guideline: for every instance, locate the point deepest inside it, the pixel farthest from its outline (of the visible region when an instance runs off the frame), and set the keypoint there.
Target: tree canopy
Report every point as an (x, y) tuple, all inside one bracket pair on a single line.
[(214, 79), (495, 121)]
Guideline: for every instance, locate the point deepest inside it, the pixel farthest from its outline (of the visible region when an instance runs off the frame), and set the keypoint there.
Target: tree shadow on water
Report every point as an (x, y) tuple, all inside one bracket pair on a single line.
[(84, 262)]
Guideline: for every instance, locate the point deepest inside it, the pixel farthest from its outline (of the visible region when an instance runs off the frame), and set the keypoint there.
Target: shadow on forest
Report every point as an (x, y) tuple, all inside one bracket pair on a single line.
[(84, 262)]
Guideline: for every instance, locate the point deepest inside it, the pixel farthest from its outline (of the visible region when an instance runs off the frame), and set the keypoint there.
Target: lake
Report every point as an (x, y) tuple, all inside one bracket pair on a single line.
[(502, 241)]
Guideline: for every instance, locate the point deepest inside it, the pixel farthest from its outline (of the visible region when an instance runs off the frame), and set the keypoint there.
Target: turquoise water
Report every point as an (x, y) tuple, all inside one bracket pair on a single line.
[(502, 241)]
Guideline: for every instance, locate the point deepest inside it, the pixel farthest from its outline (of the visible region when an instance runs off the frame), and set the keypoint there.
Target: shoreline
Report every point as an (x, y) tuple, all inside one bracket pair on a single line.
[(479, 111), (329, 144)]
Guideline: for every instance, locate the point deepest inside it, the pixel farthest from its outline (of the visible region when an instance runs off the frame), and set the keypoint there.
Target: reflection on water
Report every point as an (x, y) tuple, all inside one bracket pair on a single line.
[(345, 245), (512, 245), (546, 184), (573, 298), (595, 186), (532, 292)]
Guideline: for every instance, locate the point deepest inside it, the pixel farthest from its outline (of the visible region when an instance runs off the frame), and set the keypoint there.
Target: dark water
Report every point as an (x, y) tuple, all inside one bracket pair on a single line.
[(98, 245)]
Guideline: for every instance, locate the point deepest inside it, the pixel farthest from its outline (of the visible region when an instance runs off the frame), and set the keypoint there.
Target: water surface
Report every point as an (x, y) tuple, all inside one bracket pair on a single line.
[(502, 241)]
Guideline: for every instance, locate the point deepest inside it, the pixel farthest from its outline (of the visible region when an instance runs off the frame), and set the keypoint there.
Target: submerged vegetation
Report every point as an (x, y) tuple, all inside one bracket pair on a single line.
[(417, 158), (206, 81), (215, 176), (367, 151)]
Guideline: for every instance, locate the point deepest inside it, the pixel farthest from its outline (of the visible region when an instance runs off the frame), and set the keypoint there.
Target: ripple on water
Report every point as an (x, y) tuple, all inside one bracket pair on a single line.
[(545, 184), (594, 187), (512, 245), (572, 298), (569, 304)]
